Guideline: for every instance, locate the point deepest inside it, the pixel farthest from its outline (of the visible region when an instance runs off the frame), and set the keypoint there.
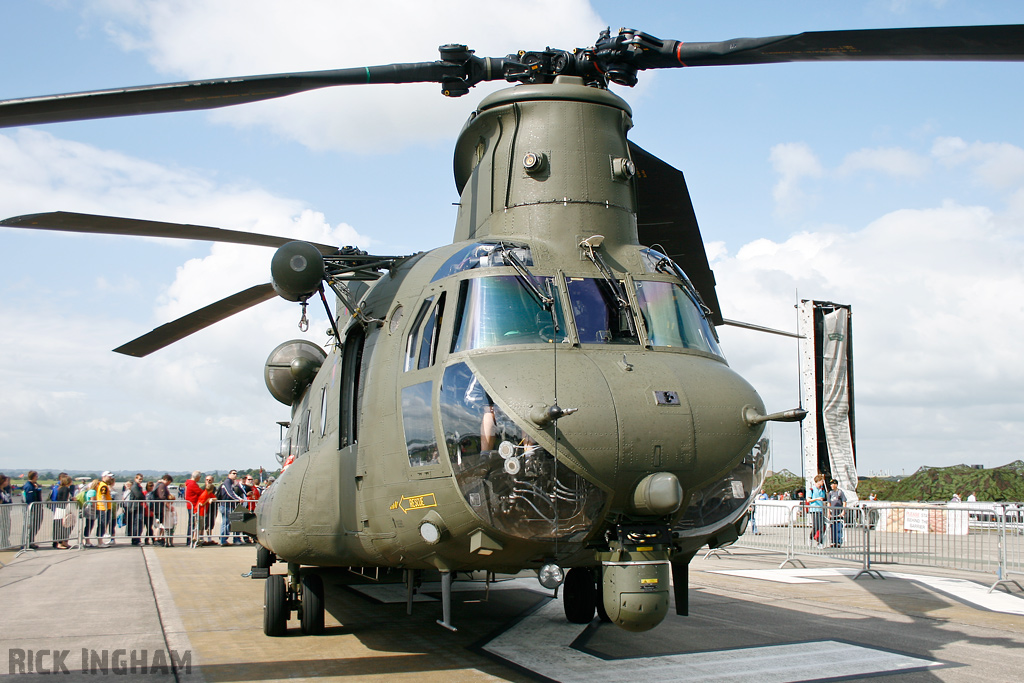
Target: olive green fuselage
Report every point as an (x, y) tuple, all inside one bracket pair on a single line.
[(433, 411)]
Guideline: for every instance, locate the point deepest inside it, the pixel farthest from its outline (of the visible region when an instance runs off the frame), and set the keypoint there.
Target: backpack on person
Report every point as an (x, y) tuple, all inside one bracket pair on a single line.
[(80, 497), (53, 492)]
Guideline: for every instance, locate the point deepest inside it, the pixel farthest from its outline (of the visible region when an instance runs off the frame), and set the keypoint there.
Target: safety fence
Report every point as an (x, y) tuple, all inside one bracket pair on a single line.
[(68, 524), (982, 537)]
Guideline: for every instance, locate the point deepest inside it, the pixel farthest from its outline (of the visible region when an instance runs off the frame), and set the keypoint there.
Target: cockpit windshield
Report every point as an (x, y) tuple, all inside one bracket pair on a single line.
[(601, 318), (502, 310), (672, 318)]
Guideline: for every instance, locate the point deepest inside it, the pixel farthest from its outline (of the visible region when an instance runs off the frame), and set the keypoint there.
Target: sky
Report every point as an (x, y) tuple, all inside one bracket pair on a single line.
[(897, 188)]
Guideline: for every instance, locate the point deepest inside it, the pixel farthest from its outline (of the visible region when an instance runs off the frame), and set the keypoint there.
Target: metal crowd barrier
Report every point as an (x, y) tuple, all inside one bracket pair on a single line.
[(68, 524), (12, 525), (986, 537)]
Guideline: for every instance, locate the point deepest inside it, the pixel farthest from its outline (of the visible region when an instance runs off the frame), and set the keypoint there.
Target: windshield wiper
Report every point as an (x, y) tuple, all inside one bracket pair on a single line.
[(589, 247), (545, 302)]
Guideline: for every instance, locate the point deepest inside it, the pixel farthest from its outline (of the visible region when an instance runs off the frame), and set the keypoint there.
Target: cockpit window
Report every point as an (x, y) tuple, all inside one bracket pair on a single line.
[(418, 421), (508, 480), (600, 317), (672, 317), (502, 310), (481, 255)]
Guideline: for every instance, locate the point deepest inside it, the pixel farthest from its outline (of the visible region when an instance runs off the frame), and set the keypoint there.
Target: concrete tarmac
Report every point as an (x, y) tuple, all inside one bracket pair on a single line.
[(183, 614)]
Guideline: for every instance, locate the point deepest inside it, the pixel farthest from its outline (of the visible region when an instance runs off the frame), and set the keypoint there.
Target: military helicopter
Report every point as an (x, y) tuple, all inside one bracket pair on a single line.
[(546, 392)]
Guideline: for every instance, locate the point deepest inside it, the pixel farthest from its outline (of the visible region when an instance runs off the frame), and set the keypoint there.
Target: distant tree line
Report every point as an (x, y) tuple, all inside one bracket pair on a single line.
[(997, 484)]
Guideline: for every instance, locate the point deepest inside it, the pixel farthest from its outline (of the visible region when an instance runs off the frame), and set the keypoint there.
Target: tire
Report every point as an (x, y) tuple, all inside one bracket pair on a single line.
[(579, 595), (311, 610), (264, 558), (275, 609)]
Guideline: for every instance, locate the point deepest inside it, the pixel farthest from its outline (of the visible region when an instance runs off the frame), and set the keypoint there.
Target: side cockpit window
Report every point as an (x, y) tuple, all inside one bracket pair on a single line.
[(422, 344)]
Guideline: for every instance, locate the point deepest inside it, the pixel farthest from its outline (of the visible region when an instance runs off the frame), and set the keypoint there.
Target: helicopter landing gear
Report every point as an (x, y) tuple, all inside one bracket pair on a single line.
[(311, 604), (275, 607), (302, 592), (579, 595)]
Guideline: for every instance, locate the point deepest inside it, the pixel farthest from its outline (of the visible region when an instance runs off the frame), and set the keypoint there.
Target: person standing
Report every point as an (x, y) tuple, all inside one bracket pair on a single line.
[(161, 498), (816, 508), (5, 512), (105, 510), (147, 513), (133, 509), (228, 496), (205, 513), (63, 513), (836, 503), (89, 511), (192, 492), (32, 493)]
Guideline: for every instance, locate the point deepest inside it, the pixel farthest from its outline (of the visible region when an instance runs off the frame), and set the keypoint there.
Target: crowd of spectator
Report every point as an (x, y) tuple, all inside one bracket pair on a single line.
[(137, 511)]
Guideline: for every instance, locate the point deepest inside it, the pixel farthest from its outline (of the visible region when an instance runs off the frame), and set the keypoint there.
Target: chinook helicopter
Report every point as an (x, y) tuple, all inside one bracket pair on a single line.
[(547, 392)]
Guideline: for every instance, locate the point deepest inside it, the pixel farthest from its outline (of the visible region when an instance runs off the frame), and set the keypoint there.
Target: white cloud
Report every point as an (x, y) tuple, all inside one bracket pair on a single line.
[(938, 304), (195, 40), (891, 161), (793, 161), (162, 404), (998, 165)]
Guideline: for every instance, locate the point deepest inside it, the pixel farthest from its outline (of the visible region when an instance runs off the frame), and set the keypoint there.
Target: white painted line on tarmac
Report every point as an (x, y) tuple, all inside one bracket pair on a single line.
[(786, 575), (969, 591), (542, 643), (961, 589)]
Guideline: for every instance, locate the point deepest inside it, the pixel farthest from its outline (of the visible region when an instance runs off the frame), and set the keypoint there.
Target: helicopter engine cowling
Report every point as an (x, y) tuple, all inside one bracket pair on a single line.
[(291, 367), (296, 271)]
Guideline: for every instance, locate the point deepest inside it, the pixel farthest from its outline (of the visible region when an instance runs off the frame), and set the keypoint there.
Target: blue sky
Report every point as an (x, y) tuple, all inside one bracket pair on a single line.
[(897, 188)]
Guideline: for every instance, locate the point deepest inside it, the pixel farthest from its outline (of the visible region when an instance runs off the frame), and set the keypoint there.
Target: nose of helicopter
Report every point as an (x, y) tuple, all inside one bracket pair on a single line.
[(636, 413)]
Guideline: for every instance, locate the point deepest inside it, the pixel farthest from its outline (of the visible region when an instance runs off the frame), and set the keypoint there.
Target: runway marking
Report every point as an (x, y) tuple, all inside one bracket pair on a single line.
[(543, 643), (961, 589)]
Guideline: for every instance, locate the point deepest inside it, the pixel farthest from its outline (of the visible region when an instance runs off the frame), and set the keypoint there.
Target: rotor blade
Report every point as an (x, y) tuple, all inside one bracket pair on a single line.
[(665, 216), (946, 43), (177, 330), (111, 225), (209, 94)]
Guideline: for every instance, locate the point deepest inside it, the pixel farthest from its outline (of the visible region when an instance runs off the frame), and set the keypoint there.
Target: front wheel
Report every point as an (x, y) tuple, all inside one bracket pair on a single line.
[(579, 595), (311, 610), (275, 610)]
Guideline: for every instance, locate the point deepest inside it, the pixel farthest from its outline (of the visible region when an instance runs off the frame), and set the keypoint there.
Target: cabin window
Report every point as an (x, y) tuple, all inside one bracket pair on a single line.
[(503, 310), (672, 317), (430, 336), (418, 420), (481, 255), (600, 317), (412, 343)]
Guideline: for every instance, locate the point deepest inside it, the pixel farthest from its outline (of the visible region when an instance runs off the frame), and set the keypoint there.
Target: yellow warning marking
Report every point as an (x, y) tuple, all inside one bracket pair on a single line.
[(648, 581), (410, 503)]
